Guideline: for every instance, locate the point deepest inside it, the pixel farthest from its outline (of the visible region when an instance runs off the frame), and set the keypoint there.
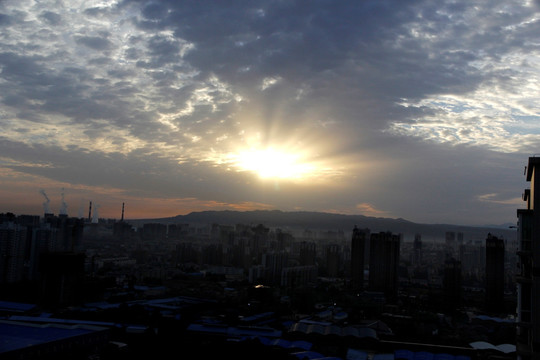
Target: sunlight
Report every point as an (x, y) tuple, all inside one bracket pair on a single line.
[(271, 163)]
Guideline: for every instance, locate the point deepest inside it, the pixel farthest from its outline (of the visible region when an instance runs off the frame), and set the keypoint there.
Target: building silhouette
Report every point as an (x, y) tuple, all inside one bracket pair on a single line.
[(62, 279), (284, 240), (383, 263), (24, 239), (452, 281), (274, 263), (307, 253), (494, 273), (12, 251), (154, 231), (297, 276), (333, 259), (528, 278), (417, 250), (358, 254)]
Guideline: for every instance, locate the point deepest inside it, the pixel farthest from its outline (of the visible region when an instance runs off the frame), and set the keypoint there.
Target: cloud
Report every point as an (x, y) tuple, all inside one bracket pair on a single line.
[(368, 210), (94, 42), (268, 82), (495, 198), (51, 17), (396, 102)]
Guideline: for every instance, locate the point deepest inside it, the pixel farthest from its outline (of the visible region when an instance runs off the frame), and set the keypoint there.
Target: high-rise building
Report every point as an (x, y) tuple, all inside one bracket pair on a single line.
[(24, 238), (460, 238), (12, 251), (453, 241), (274, 263), (298, 276), (62, 279), (528, 278), (383, 263), (68, 232), (452, 284), (494, 273), (307, 253), (333, 259), (417, 250), (358, 254), (284, 240), (154, 231)]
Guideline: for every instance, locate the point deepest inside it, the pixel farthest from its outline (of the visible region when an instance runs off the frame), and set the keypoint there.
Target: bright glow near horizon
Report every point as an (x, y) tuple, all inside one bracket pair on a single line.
[(276, 164)]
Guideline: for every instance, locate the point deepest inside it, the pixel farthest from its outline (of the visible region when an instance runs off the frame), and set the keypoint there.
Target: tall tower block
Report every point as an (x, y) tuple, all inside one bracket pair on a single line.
[(359, 240), (383, 263), (528, 278), (494, 274), (90, 212)]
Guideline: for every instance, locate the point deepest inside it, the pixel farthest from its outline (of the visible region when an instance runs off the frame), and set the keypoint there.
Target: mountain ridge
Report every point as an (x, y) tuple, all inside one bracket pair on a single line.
[(298, 221)]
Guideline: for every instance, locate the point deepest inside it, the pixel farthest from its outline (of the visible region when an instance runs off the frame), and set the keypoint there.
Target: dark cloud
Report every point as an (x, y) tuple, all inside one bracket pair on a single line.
[(96, 11), (51, 18), (23, 70), (94, 42), (5, 20), (345, 54), (161, 51), (154, 11)]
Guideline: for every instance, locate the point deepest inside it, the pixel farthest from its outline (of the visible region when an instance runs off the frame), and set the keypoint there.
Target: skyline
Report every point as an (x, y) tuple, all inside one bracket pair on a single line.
[(419, 110)]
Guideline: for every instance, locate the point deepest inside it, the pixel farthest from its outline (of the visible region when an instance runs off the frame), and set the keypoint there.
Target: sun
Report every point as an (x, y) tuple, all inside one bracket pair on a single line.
[(270, 163)]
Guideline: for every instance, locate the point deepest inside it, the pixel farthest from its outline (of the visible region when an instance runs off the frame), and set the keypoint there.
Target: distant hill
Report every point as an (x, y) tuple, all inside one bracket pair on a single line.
[(297, 221)]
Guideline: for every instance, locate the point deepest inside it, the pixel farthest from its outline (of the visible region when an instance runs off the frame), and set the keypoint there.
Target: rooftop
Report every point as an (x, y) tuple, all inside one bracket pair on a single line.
[(19, 335)]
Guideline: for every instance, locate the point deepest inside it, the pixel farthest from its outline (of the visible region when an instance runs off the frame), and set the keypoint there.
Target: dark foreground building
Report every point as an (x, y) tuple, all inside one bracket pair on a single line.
[(528, 278), (26, 340), (358, 251), (383, 263), (494, 274)]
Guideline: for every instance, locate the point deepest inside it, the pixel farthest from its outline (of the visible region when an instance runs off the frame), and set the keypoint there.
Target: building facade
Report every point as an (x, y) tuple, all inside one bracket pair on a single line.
[(528, 278), (452, 282), (494, 274), (358, 250), (383, 263)]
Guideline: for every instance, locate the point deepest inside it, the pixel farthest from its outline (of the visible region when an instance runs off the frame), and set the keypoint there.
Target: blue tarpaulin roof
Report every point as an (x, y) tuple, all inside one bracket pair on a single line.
[(403, 354), (15, 306), (15, 335)]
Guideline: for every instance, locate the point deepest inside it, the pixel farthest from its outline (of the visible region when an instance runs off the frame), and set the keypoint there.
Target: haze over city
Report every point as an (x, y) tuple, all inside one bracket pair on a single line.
[(422, 110)]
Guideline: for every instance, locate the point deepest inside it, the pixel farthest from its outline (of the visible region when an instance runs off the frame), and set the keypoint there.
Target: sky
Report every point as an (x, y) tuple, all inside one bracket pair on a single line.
[(422, 110)]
